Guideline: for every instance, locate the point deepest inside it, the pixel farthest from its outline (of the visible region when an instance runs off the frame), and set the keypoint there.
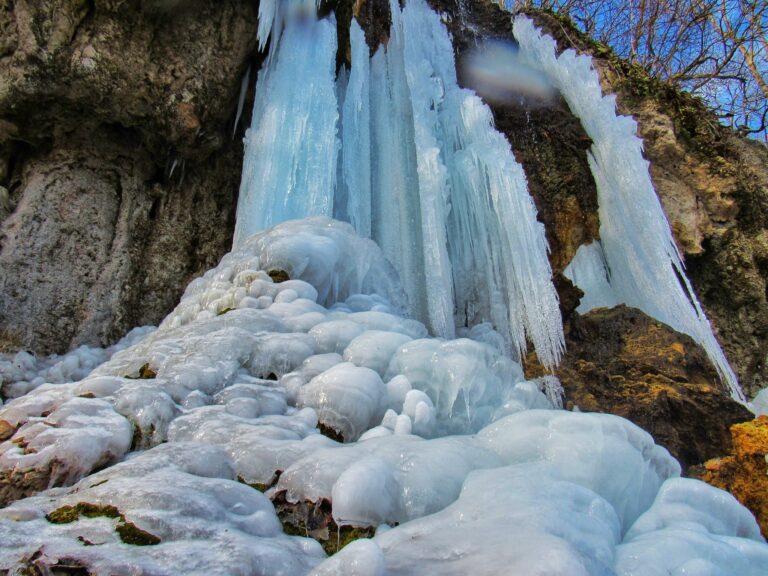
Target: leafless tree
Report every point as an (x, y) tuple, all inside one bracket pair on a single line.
[(716, 49)]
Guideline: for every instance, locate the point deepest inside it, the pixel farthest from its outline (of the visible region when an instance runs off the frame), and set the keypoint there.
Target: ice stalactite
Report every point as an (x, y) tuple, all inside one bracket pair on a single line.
[(589, 271), (273, 14), (646, 268), (422, 171), (289, 169), (445, 189), (355, 185)]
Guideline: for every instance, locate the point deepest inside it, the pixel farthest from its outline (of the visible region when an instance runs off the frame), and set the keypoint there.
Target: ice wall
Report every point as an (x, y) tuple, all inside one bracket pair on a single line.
[(445, 189), (647, 271), (421, 170), (464, 467), (291, 149)]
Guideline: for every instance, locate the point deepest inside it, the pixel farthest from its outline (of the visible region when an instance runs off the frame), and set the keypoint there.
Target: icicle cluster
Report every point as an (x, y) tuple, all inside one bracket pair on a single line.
[(646, 270), (291, 149), (422, 171), (273, 14)]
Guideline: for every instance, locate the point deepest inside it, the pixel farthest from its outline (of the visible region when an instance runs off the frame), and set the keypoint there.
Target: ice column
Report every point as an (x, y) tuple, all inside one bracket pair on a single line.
[(291, 149), (354, 188), (484, 252), (646, 268), (395, 206)]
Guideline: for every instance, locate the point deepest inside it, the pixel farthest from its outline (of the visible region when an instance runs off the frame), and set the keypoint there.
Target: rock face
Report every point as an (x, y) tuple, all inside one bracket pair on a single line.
[(744, 473), (118, 168), (622, 362)]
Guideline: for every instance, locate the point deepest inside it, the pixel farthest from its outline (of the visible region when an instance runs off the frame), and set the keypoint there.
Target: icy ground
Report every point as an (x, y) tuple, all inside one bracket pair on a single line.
[(464, 467)]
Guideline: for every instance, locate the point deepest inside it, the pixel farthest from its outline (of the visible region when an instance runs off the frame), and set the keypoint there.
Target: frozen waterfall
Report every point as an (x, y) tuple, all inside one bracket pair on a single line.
[(260, 397), (422, 171), (646, 269)]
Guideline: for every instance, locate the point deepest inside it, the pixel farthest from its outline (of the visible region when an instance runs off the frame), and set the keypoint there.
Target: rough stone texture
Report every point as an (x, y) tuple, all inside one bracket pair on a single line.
[(16, 484), (118, 169), (622, 362), (744, 472)]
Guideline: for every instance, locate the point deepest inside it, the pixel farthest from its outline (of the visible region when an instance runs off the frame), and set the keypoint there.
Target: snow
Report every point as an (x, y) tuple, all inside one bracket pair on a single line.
[(646, 269)]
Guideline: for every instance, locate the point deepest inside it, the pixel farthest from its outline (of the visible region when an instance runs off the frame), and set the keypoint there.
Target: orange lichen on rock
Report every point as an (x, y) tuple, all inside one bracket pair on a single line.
[(745, 472)]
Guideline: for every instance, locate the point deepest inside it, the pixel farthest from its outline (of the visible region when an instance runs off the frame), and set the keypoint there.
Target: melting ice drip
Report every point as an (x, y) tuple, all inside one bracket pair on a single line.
[(421, 171), (646, 269)]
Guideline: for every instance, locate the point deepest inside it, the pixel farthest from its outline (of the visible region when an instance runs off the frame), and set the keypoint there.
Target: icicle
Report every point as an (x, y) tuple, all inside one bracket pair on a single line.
[(589, 271), (241, 99), (471, 188), (646, 268), (355, 184), (396, 212), (291, 148), (427, 92), (274, 13)]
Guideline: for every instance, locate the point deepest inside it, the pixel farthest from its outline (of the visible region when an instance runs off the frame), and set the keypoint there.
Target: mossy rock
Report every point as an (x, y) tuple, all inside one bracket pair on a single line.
[(258, 485), (314, 520), (278, 276), (129, 533), (330, 432), (145, 373)]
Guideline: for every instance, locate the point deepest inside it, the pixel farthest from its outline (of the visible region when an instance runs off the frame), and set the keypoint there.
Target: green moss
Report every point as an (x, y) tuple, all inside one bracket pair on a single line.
[(344, 536), (224, 311), (132, 534), (129, 533), (69, 514)]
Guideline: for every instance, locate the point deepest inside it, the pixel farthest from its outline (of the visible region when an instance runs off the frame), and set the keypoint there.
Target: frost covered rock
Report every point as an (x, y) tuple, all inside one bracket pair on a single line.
[(178, 501)]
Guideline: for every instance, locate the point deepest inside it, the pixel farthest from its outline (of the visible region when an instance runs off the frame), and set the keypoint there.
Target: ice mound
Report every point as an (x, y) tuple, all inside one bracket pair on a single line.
[(22, 372), (171, 510), (443, 437)]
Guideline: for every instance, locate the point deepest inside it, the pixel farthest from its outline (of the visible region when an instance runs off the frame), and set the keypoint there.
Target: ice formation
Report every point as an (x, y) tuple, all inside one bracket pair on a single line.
[(320, 388), (646, 269), (289, 168), (237, 382), (22, 372), (423, 172)]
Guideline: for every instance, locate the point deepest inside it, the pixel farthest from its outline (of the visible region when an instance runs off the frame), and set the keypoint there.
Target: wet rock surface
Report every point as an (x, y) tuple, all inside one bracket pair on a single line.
[(622, 362), (744, 472)]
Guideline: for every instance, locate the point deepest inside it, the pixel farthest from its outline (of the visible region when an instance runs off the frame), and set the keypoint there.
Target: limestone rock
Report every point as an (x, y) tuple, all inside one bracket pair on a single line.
[(744, 472), (622, 362), (118, 167)]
